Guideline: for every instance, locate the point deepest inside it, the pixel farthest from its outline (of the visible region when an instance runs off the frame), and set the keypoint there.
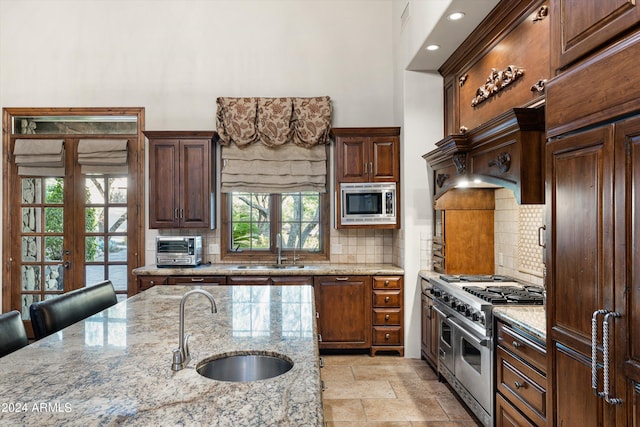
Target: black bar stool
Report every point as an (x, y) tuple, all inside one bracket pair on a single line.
[(12, 333)]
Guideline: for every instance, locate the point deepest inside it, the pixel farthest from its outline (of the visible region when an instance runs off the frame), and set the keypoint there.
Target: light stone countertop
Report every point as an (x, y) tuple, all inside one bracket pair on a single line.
[(530, 318), (237, 269), (114, 368)]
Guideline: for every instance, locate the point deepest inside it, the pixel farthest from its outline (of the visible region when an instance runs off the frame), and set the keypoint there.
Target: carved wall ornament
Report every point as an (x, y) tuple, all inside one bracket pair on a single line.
[(460, 161), (464, 129), (502, 161), (497, 81), (441, 178), (539, 86), (463, 80), (541, 14)]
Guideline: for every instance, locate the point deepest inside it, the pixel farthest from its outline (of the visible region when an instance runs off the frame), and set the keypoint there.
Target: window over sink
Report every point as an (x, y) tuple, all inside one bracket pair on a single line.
[(251, 222)]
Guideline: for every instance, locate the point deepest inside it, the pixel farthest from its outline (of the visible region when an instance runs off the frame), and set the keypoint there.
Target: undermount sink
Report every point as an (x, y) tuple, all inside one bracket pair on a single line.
[(270, 267), (243, 367)]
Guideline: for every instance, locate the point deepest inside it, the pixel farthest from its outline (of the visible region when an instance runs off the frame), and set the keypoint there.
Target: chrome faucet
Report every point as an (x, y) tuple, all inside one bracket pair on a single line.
[(280, 258), (181, 355)]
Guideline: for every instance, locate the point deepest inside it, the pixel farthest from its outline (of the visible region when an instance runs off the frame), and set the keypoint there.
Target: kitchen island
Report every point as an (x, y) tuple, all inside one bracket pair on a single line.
[(115, 367)]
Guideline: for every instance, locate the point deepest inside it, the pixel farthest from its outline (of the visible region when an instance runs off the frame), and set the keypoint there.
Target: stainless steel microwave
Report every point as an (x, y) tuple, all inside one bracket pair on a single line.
[(368, 203), (185, 251)]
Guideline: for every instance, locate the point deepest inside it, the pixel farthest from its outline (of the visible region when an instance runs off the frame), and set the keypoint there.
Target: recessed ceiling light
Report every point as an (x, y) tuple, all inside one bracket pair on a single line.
[(455, 16), (432, 47)]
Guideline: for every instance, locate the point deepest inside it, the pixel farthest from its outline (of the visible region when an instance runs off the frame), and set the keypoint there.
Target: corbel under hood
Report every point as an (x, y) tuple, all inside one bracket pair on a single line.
[(507, 151)]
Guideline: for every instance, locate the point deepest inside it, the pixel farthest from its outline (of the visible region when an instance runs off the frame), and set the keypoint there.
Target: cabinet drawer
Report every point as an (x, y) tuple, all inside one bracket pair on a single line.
[(198, 280), (248, 280), (387, 282), (387, 316), (523, 385), (508, 416), (387, 298), (523, 347), (147, 282), (387, 335)]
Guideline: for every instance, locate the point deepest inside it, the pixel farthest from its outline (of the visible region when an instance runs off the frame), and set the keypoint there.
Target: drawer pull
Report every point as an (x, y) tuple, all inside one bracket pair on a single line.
[(151, 282), (386, 299), (342, 279), (518, 385), (516, 344), (387, 336), (200, 279), (387, 317), (386, 283), (319, 337)]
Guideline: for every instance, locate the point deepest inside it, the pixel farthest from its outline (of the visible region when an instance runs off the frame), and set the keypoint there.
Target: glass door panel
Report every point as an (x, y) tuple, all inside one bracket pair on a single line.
[(42, 239)]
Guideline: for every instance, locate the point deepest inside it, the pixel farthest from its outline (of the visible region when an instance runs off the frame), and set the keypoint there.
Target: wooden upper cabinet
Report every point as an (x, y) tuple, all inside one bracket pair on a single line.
[(367, 154), (180, 179), (579, 27)]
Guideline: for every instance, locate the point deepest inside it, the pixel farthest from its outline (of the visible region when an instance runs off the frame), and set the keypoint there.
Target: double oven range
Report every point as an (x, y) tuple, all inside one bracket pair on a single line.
[(464, 306)]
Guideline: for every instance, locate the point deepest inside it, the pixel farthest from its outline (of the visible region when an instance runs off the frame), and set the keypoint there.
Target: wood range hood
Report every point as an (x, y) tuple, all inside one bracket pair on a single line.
[(507, 151)]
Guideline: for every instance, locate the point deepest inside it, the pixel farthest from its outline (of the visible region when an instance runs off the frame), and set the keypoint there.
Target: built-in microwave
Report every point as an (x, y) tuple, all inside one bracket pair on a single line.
[(185, 251), (368, 203)]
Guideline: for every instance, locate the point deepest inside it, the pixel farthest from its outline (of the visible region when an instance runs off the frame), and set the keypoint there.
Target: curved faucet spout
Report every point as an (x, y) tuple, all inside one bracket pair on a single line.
[(181, 355)]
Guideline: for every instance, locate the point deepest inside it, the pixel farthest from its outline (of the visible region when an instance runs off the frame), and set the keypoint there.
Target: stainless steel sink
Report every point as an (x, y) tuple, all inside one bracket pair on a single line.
[(244, 367), (270, 267)]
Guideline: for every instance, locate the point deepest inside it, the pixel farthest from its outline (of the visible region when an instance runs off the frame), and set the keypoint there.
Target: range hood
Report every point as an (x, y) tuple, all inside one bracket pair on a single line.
[(507, 151)]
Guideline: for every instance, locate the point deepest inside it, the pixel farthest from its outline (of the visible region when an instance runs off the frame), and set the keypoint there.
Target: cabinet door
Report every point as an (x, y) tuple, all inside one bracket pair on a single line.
[(384, 159), (627, 328), (164, 189), (580, 268), (578, 27), (344, 311), (352, 159), (195, 183)]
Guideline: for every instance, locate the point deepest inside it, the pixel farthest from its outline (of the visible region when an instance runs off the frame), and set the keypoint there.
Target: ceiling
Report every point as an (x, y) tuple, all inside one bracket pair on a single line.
[(450, 34)]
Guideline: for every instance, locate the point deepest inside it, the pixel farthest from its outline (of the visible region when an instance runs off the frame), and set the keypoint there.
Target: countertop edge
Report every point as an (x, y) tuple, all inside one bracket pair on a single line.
[(236, 270), (531, 319)]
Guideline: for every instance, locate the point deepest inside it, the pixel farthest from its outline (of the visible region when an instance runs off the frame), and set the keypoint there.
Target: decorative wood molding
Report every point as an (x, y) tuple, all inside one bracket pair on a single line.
[(497, 81), (541, 14), (502, 162), (539, 86), (460, 161), (441, 178), (462, 80)]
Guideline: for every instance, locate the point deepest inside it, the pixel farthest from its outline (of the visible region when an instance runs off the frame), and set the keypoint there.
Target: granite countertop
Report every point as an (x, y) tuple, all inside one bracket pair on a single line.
[(115, 367), (530, 318), (241, 270)]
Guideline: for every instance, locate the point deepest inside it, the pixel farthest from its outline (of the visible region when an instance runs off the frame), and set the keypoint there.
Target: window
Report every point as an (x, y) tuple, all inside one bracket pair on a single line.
[(254, 220)]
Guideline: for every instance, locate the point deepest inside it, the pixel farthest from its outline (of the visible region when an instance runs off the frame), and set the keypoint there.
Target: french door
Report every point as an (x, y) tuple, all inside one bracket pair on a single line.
[(70, 228)]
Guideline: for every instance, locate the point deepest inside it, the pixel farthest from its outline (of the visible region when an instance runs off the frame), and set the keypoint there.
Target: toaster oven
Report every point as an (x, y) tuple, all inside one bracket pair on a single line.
[(183, 251)]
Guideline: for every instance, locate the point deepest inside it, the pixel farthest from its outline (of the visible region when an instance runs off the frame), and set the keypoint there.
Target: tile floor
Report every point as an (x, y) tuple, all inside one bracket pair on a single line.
[(387, 391)]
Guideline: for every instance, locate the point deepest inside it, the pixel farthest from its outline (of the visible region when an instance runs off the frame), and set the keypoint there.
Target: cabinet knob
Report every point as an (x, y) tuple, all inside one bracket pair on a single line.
[(516, 344), (518, 385), (386, 299), (387, 336), (387, 317), (386, 283), (151, 282)]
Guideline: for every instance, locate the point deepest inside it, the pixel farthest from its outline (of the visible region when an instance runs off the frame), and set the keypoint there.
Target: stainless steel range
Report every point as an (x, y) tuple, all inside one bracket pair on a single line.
[(464, 305)]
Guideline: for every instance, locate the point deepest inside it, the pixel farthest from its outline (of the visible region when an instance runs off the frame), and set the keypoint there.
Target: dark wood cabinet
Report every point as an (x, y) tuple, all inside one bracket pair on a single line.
[(429, 332), (180, 179), (521, 381), (579, 27), (146, 282), (387, 314), (593, 177), (270, 280), (197, 280), (367, 154), (343, 305)]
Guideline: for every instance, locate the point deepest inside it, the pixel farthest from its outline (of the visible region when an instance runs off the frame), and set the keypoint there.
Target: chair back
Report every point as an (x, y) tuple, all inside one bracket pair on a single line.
[(12, 333), (52, 315)]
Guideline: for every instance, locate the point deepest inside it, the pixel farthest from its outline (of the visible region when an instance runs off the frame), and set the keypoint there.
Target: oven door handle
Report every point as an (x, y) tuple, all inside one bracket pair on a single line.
[(440, 312), (483, 342)]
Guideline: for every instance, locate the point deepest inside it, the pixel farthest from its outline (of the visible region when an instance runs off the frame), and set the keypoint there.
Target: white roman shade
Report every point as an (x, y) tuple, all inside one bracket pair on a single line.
[(103, 155), (39, 157), (284, 169)]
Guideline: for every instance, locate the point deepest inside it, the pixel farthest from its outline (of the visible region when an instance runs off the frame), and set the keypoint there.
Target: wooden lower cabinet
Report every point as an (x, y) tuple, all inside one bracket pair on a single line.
[(429, 332), (387, 315), (146, 282), (521, 380), (343, 305)]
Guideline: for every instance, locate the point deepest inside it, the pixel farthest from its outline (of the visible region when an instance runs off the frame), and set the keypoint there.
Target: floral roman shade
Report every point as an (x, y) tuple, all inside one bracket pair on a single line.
[(274, 145)]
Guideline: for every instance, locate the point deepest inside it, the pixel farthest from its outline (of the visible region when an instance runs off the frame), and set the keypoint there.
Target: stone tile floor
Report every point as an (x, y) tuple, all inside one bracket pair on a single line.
[(387, 391)]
